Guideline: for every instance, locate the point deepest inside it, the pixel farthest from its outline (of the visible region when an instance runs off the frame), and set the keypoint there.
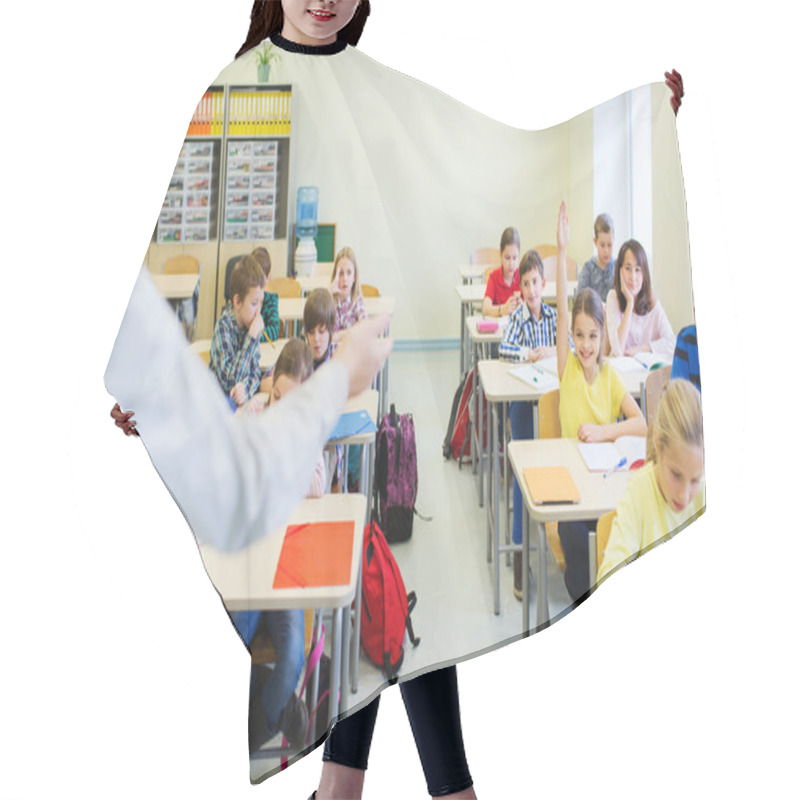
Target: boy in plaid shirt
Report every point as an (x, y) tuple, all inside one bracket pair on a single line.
[(235, 352), (530, 335)]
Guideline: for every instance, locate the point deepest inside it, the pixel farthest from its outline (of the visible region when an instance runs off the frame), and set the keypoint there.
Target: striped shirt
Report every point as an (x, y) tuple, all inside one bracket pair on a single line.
[(524, 333), (235, 355), (349, 313)]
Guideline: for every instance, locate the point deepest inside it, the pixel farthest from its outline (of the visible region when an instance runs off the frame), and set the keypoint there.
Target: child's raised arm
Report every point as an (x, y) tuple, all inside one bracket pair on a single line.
[(562, 321)]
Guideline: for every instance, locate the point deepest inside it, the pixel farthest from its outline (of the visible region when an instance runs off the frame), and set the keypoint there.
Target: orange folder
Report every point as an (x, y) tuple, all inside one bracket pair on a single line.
[(551, 485), (315, 554)]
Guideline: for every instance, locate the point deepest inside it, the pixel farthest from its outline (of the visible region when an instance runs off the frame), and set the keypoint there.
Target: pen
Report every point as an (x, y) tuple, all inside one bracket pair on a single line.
[(622, 462)]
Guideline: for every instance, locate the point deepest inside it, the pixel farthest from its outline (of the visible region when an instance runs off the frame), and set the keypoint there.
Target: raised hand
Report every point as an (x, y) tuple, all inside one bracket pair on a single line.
[(675, 82), (562, 231)]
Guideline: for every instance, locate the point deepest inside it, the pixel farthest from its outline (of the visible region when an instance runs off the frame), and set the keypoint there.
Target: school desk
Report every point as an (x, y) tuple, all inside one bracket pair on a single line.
[(500, 388), (290, 310), (375, 306), (471, 273), (598, 495), (244, 578), (479, 343), (176, 287), (366, 401), (269, 352), (469, 296)]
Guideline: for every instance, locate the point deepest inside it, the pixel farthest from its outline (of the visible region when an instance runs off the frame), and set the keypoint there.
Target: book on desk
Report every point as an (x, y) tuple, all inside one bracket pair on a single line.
[(551, 485)]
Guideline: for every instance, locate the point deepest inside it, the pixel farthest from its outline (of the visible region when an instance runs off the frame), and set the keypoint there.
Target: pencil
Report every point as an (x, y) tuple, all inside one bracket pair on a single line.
[(264, 334)]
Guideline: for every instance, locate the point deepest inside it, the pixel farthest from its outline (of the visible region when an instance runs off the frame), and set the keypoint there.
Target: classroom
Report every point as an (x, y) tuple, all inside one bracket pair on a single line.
[(425, 236)]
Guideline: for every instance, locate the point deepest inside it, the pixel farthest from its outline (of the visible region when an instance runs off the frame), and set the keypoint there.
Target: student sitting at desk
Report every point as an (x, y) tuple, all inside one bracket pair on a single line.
[(501, 296), (273, 704), (530, 335), (668, 492), (346, 291), (269, 309), (598, 272), (637, 322), (592, 397), (235, 353), (319, 320)]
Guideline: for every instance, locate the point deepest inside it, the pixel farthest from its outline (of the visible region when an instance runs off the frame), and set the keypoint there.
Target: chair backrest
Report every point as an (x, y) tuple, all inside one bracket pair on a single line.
[(550, 263), (285, 287), (369, 291), (488, 271), (549, 422), (182, 265), (603, 532), (654, 386), (485, 255), (546, 250)]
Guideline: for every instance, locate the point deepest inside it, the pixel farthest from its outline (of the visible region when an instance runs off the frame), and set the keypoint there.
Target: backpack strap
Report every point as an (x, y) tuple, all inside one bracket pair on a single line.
[(412, 602)]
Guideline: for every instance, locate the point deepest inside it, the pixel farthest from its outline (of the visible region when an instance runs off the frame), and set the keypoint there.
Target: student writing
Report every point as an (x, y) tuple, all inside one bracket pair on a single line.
[(668, 492)]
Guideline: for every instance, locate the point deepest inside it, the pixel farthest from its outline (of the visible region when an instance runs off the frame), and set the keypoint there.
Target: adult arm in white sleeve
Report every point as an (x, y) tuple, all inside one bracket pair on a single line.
[(234, 479)]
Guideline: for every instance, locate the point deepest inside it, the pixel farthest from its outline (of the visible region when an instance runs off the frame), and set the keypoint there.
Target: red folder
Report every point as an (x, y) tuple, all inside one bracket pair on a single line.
[(315, 554)]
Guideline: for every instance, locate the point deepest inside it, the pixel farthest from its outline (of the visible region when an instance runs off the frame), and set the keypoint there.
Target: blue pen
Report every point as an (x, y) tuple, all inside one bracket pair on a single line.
[(622, 462)]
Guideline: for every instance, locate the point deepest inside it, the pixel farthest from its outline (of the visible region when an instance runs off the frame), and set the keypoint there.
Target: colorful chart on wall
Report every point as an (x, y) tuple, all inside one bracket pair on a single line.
[(415, 183)]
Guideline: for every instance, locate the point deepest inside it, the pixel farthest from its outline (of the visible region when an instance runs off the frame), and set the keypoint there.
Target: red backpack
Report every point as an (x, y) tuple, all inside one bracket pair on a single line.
[(458, 440), (385, 606)]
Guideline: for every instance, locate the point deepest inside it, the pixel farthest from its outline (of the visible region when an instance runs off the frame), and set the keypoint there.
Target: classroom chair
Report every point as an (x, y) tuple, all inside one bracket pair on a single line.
[(550, 428), (546, 250), (182, 265), (203, 349), (488, 271), (187, 309), (653, 387), (369, 291), (263, 652), (549, 263), (486, 255), (598, 540)]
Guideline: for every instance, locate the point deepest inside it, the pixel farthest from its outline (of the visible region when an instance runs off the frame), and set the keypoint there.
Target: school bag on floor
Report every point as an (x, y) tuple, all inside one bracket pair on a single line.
[(385, 605), (396, 476), (458, 440)]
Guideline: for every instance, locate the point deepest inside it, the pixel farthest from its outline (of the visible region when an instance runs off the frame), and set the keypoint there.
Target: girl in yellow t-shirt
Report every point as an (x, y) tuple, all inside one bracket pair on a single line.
[(668, 492), (592, 397)]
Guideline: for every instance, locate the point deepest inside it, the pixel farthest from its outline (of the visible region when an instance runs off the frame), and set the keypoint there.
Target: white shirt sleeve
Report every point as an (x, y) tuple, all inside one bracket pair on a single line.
[(234, 479)]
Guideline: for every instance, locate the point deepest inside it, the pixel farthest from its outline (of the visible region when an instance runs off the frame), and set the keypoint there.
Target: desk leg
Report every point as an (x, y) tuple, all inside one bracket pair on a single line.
[(507, 503), (494, 501), (314, 688), (526, 586), (463, 352), (336, 664), (385, 382), (542, 608)]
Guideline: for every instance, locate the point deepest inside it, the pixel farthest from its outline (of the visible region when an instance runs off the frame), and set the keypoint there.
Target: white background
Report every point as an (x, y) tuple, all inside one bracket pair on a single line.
[(120, 675)]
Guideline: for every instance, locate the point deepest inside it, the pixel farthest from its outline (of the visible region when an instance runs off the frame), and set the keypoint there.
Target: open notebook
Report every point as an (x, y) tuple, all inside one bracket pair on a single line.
[(611, 456)]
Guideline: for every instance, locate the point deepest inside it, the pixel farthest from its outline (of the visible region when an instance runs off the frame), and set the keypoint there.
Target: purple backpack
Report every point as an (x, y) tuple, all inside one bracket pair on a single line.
[(396, 475)]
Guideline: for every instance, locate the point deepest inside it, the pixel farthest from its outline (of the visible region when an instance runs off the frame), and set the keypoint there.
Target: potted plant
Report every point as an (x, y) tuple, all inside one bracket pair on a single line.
[(266, 55)]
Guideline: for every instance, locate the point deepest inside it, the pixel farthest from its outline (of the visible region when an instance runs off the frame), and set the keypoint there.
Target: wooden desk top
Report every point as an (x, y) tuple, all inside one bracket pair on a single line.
[(269, 352), (244, 579), (494, 336), (291, 308), (474, 292), (598, 494), (176, 287), (500, 387)]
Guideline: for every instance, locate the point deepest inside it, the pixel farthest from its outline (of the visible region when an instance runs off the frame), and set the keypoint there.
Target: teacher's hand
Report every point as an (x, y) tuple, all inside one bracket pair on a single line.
[(363, 351), (675, 82), (124, 420)]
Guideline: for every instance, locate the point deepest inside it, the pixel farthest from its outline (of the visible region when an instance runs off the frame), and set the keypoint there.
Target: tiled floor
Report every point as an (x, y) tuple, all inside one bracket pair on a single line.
[(444, 562)]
